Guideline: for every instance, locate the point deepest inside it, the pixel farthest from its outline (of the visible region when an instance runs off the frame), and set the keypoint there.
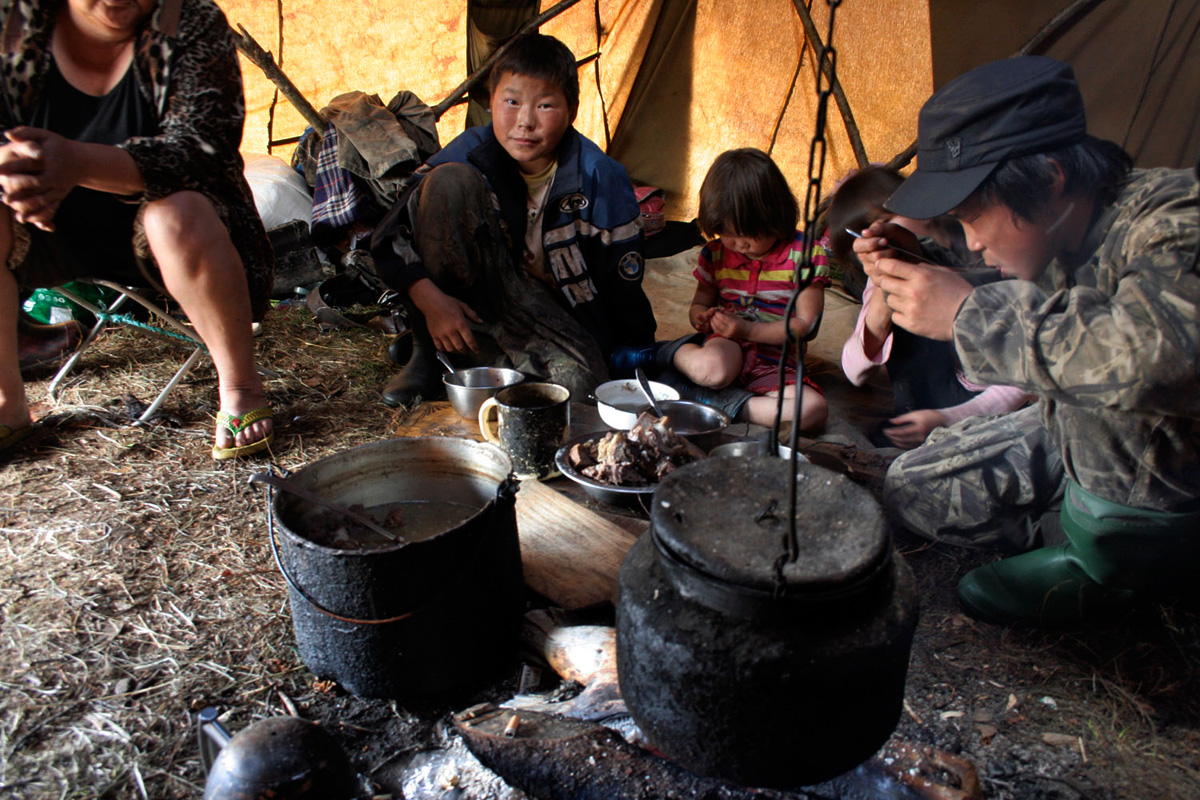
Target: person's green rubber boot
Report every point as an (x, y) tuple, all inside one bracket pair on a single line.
[(1114, 555), (1045, 587)]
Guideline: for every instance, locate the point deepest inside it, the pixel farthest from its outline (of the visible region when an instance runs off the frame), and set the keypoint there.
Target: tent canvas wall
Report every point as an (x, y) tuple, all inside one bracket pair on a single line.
[(678, 81)]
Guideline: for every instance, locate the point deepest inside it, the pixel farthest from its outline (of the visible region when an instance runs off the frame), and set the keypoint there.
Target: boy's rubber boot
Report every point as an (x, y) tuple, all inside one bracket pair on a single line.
[(421, 378), (654, 358), (625, 361), (1114, 555), (1047, 587)]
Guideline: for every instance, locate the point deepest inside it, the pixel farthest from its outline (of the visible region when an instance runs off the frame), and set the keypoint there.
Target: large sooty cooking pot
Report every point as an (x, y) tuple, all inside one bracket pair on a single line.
[(765, 677), (406, 620)]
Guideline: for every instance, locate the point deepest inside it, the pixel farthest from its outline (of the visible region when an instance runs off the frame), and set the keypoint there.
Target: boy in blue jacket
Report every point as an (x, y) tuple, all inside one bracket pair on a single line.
[(518, 244)]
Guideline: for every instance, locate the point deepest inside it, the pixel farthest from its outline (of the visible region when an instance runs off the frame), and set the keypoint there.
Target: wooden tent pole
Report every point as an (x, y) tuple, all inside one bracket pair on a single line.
[(253, 51), (456, 96), (835, 85), (1037, 44)]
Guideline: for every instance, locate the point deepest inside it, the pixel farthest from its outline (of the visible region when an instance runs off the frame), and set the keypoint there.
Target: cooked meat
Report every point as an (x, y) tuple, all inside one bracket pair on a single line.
[(643, 456)]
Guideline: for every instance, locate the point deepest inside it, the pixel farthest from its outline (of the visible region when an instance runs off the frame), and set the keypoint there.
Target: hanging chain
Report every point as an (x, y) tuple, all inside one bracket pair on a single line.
[(826, 66)]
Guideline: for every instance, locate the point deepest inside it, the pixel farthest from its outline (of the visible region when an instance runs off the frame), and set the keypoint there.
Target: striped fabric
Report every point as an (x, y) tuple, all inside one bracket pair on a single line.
[(760, 290)]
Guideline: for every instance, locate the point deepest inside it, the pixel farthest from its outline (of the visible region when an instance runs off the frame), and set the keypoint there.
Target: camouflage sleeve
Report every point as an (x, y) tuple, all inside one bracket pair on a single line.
[(1129, 344)]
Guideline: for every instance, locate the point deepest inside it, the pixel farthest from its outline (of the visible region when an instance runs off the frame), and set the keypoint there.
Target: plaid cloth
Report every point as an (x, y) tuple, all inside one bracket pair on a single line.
[(338, 199)]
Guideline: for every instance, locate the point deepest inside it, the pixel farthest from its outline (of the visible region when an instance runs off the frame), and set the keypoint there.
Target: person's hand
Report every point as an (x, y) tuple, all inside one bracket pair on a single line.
[(448, 318), (924, 298), (37, 170), (879, 241), (701, 317), (911, 429), (730, 326)]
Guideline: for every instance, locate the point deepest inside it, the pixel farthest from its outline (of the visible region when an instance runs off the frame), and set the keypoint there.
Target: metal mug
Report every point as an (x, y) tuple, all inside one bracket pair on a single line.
[(531, 423)]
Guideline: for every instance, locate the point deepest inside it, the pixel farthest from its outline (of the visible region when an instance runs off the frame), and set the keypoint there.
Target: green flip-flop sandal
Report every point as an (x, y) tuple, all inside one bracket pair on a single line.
[(10, 437), (236, 425)]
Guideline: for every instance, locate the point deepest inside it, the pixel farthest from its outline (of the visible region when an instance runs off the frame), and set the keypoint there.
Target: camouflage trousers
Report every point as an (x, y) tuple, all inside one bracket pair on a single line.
[(458, 234), (986, 482)]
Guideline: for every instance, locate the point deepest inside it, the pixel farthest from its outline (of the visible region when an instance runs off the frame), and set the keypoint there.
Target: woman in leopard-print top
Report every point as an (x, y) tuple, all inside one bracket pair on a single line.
[(123, 120)]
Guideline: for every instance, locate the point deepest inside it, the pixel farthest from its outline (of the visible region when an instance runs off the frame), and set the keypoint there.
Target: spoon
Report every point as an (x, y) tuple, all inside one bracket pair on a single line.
[(287, 487), (445, 359), (642, 382)]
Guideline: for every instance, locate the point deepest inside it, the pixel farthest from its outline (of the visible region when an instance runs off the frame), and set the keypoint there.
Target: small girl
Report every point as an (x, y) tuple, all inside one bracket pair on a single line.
[(745, 278)]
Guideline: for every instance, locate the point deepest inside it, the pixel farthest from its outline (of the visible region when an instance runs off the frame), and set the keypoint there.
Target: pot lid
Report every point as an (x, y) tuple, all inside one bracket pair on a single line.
[(727, 518)]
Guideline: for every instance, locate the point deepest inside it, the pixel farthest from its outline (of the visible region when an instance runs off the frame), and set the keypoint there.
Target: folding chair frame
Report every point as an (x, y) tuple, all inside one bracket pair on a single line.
[(170, 327)]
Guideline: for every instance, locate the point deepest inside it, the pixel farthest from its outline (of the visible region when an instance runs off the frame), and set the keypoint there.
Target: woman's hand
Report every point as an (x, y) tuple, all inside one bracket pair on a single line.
[(37, 170), (910, 430)]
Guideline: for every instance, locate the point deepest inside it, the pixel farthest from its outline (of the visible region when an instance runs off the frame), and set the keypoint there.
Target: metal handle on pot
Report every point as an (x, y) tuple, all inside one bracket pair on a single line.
[(287, 577), (507, 489)]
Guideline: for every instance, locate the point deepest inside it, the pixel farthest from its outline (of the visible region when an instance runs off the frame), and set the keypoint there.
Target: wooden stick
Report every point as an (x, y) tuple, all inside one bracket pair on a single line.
[(454, 98), (835, 85), (1037, 44), (253, 51)]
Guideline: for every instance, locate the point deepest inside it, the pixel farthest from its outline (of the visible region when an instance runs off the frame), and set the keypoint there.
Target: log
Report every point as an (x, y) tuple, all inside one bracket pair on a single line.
[(1037, 44), (839, 94), (254, 52), (570, 554), (456, 96)]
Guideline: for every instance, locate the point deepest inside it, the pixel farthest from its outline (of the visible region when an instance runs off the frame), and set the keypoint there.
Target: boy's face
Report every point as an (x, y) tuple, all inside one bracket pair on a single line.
[(1017, 247), (530, 116)]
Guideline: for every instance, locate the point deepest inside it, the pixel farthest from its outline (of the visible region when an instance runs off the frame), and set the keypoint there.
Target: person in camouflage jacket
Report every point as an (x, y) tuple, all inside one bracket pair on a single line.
[(1104, 472)]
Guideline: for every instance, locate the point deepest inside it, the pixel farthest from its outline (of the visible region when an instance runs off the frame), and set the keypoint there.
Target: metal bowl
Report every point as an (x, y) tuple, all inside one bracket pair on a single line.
[(620, 402), (749, 447), (752, 447), (630, 496), (699, 423), (468, 388)]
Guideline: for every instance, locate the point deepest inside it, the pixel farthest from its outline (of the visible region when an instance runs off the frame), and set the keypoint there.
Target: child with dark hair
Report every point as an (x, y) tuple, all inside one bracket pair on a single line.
[(928, 385), (518, 244), (746, 276)]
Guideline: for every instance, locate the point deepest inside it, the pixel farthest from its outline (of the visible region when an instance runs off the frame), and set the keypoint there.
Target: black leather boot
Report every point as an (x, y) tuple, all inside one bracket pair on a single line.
[(40, 345), (421, 378)]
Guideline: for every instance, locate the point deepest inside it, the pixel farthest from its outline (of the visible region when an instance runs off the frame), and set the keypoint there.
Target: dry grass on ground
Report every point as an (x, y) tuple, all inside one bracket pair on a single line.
[(136, 586)]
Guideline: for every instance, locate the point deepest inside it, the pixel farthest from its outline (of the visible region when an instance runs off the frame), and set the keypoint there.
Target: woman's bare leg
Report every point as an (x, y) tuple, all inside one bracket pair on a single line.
[(14, 409), (203, 272)]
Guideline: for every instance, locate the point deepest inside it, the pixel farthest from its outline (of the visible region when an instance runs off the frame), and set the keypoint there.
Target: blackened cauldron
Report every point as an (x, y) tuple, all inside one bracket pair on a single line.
[(741, 665)]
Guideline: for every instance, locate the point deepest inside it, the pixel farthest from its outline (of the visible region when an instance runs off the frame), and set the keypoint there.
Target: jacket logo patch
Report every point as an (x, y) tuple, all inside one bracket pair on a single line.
[(573, 202), (630, 266)]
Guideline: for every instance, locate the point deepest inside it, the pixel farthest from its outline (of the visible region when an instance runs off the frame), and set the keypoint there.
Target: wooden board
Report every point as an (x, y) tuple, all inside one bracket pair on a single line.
[(571, 554)]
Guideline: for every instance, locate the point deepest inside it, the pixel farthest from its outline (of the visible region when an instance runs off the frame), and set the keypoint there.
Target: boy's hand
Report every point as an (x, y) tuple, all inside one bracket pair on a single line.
[(877, 243), (448, 318), (924, 299)]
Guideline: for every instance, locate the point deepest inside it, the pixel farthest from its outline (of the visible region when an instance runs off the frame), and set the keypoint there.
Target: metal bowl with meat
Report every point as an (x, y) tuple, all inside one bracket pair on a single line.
[(623, 467)]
